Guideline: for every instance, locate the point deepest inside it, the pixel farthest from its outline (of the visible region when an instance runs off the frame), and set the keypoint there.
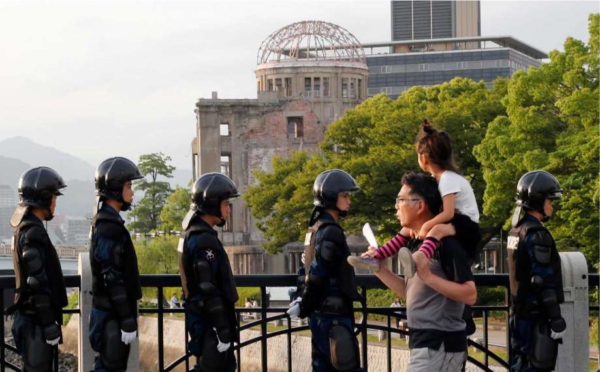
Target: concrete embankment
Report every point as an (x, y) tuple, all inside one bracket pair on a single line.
[(174, 333)]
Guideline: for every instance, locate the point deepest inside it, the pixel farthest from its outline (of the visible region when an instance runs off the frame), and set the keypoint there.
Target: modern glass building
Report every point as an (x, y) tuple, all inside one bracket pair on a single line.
[(434, 61)]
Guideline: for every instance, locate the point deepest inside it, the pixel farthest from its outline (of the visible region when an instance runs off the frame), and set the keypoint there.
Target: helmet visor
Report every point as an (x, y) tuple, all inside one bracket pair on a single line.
[(555, 195)]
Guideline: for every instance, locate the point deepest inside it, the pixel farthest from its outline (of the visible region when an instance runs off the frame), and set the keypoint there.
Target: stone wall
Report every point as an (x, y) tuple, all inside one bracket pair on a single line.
[(174, 333)]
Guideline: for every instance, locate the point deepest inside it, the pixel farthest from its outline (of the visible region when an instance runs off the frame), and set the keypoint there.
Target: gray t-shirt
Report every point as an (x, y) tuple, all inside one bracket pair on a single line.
[(428, 309)]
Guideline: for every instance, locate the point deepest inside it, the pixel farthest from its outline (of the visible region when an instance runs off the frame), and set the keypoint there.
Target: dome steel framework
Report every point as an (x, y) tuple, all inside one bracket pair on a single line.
[(311, 41)]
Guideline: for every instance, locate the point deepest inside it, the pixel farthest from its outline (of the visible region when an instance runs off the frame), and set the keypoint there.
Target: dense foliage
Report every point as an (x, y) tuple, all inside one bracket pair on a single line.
[(543, 118)]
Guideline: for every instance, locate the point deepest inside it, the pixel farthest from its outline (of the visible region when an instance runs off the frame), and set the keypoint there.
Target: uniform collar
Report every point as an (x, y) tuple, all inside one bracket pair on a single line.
[(111, 211), (30, 218), (326, 216), (530, 218), (200, 222)]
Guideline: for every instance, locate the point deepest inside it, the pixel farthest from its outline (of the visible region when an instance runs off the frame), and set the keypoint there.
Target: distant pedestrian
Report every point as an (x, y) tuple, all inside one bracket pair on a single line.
[(397, 304), (174, 302)]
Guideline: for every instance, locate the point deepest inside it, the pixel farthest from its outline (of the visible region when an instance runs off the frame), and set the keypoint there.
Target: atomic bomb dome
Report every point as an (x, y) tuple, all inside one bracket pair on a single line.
[(312, 59), (311, 41)]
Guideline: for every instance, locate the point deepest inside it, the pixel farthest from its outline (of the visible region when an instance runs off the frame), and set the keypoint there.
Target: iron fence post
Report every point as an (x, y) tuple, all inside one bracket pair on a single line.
[(365, 354), (263, 327), (161, 357)]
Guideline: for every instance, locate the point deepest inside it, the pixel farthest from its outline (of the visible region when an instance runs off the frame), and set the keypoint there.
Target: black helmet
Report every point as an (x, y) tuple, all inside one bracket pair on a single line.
[(36, 187), (209, 191), (329, 184), (536, 186), (111, 175)]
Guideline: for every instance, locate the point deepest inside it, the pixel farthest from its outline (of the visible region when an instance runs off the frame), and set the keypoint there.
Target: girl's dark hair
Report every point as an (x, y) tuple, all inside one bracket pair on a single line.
[(436, 145)]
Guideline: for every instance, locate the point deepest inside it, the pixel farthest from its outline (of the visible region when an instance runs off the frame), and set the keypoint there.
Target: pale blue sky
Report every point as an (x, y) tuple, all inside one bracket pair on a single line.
[(74, 74)]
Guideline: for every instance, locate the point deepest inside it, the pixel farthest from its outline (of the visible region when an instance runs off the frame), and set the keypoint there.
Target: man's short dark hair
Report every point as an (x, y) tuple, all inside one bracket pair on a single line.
[(426, 187)]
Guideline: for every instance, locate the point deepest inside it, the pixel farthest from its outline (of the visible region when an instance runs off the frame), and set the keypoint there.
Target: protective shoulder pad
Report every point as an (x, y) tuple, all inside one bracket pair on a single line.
[(542, 244), (203, 240), (109, 230), (332, 232), (328, 251), (34, 234), (102, 215)]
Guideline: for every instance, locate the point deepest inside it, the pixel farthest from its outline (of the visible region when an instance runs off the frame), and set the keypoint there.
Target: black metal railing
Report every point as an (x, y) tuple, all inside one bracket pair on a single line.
[(270, 314), (7, 285)]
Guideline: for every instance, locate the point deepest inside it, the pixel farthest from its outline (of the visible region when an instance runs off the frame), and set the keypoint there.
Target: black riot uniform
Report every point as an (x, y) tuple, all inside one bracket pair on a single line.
[(40, 292), (535, 278), (330, 285), (206, 277), (115, 275)]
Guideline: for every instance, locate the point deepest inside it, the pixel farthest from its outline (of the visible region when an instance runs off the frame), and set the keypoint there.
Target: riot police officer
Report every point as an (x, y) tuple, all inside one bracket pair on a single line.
[(115, 275), (206, 276), (535, 276), (330, 287), (40, 292)]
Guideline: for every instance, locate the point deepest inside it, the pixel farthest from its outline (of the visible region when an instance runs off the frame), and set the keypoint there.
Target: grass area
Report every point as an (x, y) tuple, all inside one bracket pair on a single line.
[(480, 356), (594, 331), (73, 303)]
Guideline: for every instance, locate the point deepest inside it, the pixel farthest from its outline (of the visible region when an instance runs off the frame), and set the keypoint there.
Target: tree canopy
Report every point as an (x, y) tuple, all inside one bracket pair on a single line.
[(175, 208), (375, 143), (543, 118), (551, 124), (147, 212)]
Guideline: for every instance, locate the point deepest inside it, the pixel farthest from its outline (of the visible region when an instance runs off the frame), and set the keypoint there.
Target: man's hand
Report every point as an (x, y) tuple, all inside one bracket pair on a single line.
[(424, 271), (424, 230), (221, 346), (442, 230), (294, 310), (370, 253), (420, 261), (410, 233), (128, 337)]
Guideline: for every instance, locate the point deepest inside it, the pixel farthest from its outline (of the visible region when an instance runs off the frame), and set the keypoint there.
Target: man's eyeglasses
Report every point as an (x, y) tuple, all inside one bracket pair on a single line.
[(400, 201)]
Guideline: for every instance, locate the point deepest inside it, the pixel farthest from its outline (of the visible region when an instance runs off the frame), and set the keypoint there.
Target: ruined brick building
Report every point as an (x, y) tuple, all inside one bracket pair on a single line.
[(307, 75)]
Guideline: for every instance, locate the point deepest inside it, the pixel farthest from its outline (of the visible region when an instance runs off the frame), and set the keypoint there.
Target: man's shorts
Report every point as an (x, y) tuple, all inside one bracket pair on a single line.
[(426, 359)]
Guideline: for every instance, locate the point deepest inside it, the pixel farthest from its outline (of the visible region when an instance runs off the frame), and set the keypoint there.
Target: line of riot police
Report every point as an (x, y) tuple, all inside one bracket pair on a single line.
[(327, 293)]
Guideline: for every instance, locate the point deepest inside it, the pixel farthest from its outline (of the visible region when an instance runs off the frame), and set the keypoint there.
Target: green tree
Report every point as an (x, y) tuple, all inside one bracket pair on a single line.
[(375, 143), (178, 204), (282, 199), (146, 213), (552, 124), (158, 255)]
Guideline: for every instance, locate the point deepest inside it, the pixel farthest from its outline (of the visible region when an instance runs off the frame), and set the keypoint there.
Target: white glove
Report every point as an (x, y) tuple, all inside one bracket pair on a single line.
[(53, 342), (294, 310), (221, 346), (128, 337), (557, 335)]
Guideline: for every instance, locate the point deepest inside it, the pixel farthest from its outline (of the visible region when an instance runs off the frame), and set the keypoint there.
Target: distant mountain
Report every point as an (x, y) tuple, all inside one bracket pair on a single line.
[(78, 199), (79, 195), (10, 171), (34, 154)]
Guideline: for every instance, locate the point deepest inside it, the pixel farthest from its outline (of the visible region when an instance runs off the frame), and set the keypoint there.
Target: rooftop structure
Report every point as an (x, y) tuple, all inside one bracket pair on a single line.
[(310, 41), (429, 19)]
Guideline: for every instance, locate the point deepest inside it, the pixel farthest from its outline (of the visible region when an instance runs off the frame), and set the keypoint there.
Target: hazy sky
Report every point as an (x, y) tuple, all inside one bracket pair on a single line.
[(99, 79)]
